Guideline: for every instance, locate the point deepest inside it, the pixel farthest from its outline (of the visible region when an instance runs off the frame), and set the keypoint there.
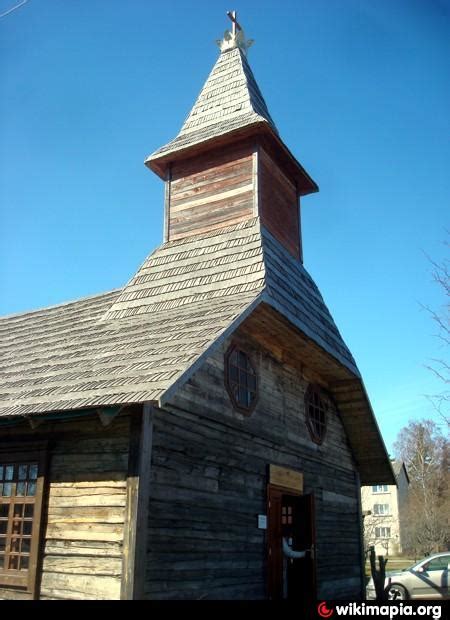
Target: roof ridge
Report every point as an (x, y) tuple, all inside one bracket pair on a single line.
[(250, 77), (300, 300)]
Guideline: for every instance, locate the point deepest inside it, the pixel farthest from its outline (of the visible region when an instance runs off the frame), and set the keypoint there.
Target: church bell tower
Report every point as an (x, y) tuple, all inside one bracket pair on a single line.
[(228, 163)]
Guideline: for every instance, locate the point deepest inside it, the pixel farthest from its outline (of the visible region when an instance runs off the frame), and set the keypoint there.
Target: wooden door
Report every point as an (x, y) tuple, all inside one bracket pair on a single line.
[(291, 516)]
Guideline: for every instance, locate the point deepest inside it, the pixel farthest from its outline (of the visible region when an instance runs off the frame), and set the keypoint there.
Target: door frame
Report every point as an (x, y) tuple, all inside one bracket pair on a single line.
[(281, 481), (274, 552)]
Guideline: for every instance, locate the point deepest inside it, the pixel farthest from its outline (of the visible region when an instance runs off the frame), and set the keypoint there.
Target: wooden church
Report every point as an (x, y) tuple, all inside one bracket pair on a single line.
[(203, 432)]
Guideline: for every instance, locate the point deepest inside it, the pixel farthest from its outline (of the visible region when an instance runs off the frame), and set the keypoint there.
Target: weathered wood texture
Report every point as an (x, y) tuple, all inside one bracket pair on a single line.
[(138, 485), (209, 477), (278, 208), (14, 594), (84, 507), (230, 100), (227, 186), (211, 191)]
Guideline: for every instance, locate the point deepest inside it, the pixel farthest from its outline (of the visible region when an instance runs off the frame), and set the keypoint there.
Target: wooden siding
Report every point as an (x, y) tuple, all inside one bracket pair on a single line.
[(279, 209), (135, 531), (84, 507), (209, 477), (230, 185), (210, 191)]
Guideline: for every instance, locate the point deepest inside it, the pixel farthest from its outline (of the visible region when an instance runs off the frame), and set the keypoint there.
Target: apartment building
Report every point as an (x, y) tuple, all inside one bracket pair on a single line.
[(382, 509)]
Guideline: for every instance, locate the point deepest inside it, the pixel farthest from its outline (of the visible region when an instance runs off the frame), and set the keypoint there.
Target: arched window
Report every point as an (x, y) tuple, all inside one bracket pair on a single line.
[(240, 380), (316, 407)]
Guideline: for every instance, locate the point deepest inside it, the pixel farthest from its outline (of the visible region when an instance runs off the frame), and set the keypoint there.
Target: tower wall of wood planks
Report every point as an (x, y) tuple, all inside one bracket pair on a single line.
[(228, 185)]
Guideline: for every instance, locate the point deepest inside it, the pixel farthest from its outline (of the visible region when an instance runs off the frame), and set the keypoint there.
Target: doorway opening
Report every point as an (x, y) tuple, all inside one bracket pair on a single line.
[(290, 531)]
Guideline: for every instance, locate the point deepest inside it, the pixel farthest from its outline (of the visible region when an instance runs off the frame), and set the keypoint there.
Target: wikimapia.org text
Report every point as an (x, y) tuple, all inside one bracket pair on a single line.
[(393, 611)]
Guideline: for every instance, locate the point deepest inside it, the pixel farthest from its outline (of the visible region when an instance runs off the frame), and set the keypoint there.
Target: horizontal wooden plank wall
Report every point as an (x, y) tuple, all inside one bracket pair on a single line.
[(84, 526), (209, 476), (86, 509), (279, 209), (210, 191)]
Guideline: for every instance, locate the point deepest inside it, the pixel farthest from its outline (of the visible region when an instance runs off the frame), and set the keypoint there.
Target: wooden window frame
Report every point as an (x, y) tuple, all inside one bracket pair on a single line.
[(315, 390), (26, 453), (246, 410)]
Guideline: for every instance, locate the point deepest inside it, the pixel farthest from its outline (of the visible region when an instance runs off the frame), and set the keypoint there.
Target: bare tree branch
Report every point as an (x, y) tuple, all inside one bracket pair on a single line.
[(440, 368), (425, 452)]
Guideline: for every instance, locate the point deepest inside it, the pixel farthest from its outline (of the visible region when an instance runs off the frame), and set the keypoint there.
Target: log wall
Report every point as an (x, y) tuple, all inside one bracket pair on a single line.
[(209, 477), (84, 507)]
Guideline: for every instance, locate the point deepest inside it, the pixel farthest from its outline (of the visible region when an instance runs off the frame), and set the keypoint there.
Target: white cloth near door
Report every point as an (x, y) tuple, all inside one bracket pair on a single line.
[(289, 553)]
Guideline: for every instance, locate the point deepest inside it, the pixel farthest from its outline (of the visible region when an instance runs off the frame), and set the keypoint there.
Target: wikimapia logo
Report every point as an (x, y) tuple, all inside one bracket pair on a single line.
[(390, 611), (323, 610)]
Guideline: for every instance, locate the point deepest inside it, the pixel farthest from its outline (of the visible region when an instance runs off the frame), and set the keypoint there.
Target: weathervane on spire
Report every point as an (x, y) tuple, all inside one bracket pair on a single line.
[(235, 38)]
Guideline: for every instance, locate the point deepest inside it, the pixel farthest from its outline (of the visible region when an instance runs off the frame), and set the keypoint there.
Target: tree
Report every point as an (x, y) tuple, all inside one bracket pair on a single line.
[(425, 452), (441, 367), (371, 523)]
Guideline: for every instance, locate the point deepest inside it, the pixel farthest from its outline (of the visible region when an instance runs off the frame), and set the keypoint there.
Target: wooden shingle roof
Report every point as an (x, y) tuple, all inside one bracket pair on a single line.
[(229, 100), (292, 291), (143, 342), (132, 344), (221, 263), (67, 357)]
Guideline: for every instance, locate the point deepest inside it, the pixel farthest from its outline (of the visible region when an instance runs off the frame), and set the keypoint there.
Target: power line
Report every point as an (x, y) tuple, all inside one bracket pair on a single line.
[(13, 8)]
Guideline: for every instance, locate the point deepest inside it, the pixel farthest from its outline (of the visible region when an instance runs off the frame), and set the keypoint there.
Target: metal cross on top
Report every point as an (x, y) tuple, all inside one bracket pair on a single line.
[(236, 26), (235, 38)]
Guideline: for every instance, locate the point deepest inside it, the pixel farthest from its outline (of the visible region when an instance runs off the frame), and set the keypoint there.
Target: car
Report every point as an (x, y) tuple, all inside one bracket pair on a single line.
[(428, 579)]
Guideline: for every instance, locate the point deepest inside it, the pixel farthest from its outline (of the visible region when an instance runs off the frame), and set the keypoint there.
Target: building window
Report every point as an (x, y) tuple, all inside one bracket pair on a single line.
[(241, 380), (381, 509), (379, 488), (21, 485), (316, 413), (382, 532)]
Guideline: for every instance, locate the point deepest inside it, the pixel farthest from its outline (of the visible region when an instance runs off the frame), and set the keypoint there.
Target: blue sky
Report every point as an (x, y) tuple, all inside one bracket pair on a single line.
[(360, 92)]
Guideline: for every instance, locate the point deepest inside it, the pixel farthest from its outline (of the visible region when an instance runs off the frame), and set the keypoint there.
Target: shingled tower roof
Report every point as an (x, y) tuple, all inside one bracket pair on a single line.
[(230, 99), (144, 342), (229, 105)]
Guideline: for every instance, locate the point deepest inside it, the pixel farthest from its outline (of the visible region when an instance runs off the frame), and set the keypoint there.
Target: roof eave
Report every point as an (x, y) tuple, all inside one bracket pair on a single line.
[(361, 427), (306, 184), (347, 389), (159, 163)]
